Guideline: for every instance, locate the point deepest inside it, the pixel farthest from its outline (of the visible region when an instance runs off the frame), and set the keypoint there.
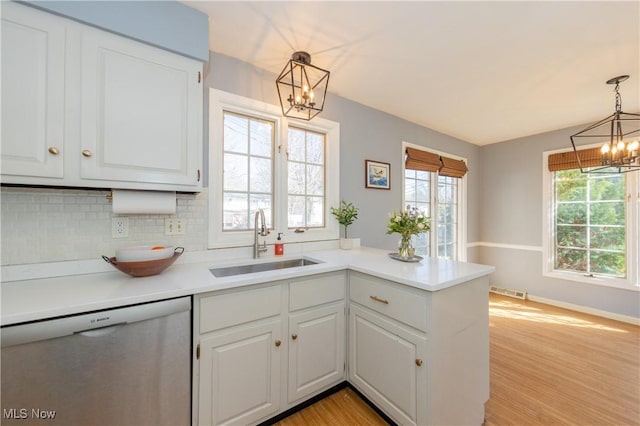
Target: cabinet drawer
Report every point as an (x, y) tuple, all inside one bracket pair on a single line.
[(317, 290), (389, 299), (230, 309)]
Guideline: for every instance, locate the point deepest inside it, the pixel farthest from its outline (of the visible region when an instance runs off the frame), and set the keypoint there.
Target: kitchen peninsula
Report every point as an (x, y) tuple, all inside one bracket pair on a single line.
[(412, 337)]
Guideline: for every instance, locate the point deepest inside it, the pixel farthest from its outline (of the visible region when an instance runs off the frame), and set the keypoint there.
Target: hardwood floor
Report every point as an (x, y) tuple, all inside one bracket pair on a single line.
[(549, 366), (344, 407)]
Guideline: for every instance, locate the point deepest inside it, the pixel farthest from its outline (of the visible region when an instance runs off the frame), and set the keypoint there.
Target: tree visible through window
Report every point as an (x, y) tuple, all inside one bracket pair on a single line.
[(418, 187), (248, 171), (306, 182), (258, 159), (590, 219)]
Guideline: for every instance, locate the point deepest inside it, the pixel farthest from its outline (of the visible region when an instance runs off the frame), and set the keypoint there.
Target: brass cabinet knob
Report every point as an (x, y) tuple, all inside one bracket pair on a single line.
[(278, 343), (419, 362), (54, 151), (294, 336), (87, 153)]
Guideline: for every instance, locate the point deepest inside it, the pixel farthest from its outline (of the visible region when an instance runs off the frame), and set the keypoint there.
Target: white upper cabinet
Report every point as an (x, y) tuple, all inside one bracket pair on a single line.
[(85, 107), (33, 54), (141, 112)]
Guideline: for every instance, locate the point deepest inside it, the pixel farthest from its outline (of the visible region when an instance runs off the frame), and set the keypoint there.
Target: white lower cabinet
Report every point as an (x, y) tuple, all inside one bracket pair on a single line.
[(263, 350), (387, 363), (240, 374), (422, 357), (316, 350)]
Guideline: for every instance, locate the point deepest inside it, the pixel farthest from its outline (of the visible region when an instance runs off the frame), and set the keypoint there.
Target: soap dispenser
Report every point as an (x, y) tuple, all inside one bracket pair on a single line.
[(279, 246)]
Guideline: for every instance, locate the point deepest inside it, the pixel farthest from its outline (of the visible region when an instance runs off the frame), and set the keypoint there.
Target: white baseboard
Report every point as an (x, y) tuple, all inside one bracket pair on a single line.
[(585, 310)]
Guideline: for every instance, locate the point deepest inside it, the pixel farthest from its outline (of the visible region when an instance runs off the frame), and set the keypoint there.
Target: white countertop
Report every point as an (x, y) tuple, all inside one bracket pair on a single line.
[(37, 299)]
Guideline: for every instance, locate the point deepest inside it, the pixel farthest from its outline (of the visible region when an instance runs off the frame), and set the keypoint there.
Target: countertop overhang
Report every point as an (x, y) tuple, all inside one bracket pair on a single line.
[(37, 299)]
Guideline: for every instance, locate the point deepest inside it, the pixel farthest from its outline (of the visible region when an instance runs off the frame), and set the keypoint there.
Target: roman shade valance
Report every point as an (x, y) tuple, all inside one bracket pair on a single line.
[(429, 162), (452, 168), (590, 157), (422, 160)]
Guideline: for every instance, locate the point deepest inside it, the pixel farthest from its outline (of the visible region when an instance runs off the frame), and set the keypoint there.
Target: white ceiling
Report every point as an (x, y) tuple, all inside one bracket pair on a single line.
[(480, 71)]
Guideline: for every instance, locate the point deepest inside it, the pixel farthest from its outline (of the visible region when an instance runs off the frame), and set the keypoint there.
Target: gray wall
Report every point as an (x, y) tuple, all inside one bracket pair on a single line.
[(511, 174), (366, 134), (504, 187)]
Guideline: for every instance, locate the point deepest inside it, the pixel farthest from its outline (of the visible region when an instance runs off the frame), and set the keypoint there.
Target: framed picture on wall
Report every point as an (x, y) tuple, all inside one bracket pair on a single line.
[(377, 175)]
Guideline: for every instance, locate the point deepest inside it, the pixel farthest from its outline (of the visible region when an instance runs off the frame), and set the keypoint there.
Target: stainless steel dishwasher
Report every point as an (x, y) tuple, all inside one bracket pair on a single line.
[(124, 366)]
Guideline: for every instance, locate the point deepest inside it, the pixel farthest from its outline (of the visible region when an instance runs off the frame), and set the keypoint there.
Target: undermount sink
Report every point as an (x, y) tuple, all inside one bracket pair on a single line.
[(260, 267)]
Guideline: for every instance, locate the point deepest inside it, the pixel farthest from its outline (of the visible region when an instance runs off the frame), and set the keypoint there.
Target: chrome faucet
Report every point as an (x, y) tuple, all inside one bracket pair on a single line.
[(257, 249)]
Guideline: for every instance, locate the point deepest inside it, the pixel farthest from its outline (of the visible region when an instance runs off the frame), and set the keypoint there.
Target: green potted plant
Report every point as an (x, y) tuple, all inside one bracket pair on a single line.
[(346, 214)]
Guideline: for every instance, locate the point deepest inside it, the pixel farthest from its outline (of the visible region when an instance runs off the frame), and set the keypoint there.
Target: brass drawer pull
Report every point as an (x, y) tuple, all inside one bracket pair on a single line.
[(278, 343), (377, 299), (419, 362), (54, 151), (294, 336), (87, 153)]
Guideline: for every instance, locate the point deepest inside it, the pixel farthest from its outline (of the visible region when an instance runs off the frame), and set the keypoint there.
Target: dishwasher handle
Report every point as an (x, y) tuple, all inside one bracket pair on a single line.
[(67, 326), (100, 331)]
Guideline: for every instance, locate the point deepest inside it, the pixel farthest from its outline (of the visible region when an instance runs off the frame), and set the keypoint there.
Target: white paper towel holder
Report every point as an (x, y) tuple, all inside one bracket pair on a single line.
[(109, 198)]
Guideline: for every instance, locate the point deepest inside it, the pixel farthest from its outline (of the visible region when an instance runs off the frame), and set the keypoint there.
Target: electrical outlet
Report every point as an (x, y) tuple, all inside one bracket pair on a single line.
[(174, 226), (119, 227)]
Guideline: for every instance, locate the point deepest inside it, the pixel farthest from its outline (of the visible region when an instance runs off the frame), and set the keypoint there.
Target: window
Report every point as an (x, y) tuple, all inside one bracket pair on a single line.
[(417, 193), (447, 225), (260, 160), (248, 179), (439, 197), (305, 157), (592, 224)]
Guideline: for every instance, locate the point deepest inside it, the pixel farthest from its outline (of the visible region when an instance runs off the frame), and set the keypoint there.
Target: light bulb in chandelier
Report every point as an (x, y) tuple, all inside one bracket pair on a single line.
[(302, 87), (619, 135)]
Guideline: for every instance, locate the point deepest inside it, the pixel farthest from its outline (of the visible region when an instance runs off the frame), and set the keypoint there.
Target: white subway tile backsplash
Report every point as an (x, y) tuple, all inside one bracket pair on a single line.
[(51, 225)]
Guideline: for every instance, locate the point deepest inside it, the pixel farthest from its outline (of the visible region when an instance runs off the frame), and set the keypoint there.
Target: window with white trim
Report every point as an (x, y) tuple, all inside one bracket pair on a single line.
[(247, 182), (260, 160), (305, 157), (439, 197), (592, 224)]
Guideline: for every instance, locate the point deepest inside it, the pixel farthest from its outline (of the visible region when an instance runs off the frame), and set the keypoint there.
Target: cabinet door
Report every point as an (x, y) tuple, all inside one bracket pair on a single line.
[(387, 362), (316, 350), (240, 374), (33, 52), (141, 117)]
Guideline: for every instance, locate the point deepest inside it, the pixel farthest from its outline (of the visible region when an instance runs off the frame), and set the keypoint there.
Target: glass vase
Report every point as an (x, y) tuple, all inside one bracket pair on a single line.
[(405, 247)]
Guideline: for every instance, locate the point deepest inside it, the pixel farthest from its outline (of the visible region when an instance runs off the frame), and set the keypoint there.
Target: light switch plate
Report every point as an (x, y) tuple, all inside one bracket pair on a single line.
[(174, 226)]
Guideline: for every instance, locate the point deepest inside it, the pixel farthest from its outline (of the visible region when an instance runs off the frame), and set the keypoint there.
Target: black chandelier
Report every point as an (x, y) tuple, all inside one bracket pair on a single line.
[(619, 134), (302, 87)]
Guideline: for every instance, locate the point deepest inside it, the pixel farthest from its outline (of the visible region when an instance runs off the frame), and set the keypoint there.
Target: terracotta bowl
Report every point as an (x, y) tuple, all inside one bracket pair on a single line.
[(144, 253), (144, 268)]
